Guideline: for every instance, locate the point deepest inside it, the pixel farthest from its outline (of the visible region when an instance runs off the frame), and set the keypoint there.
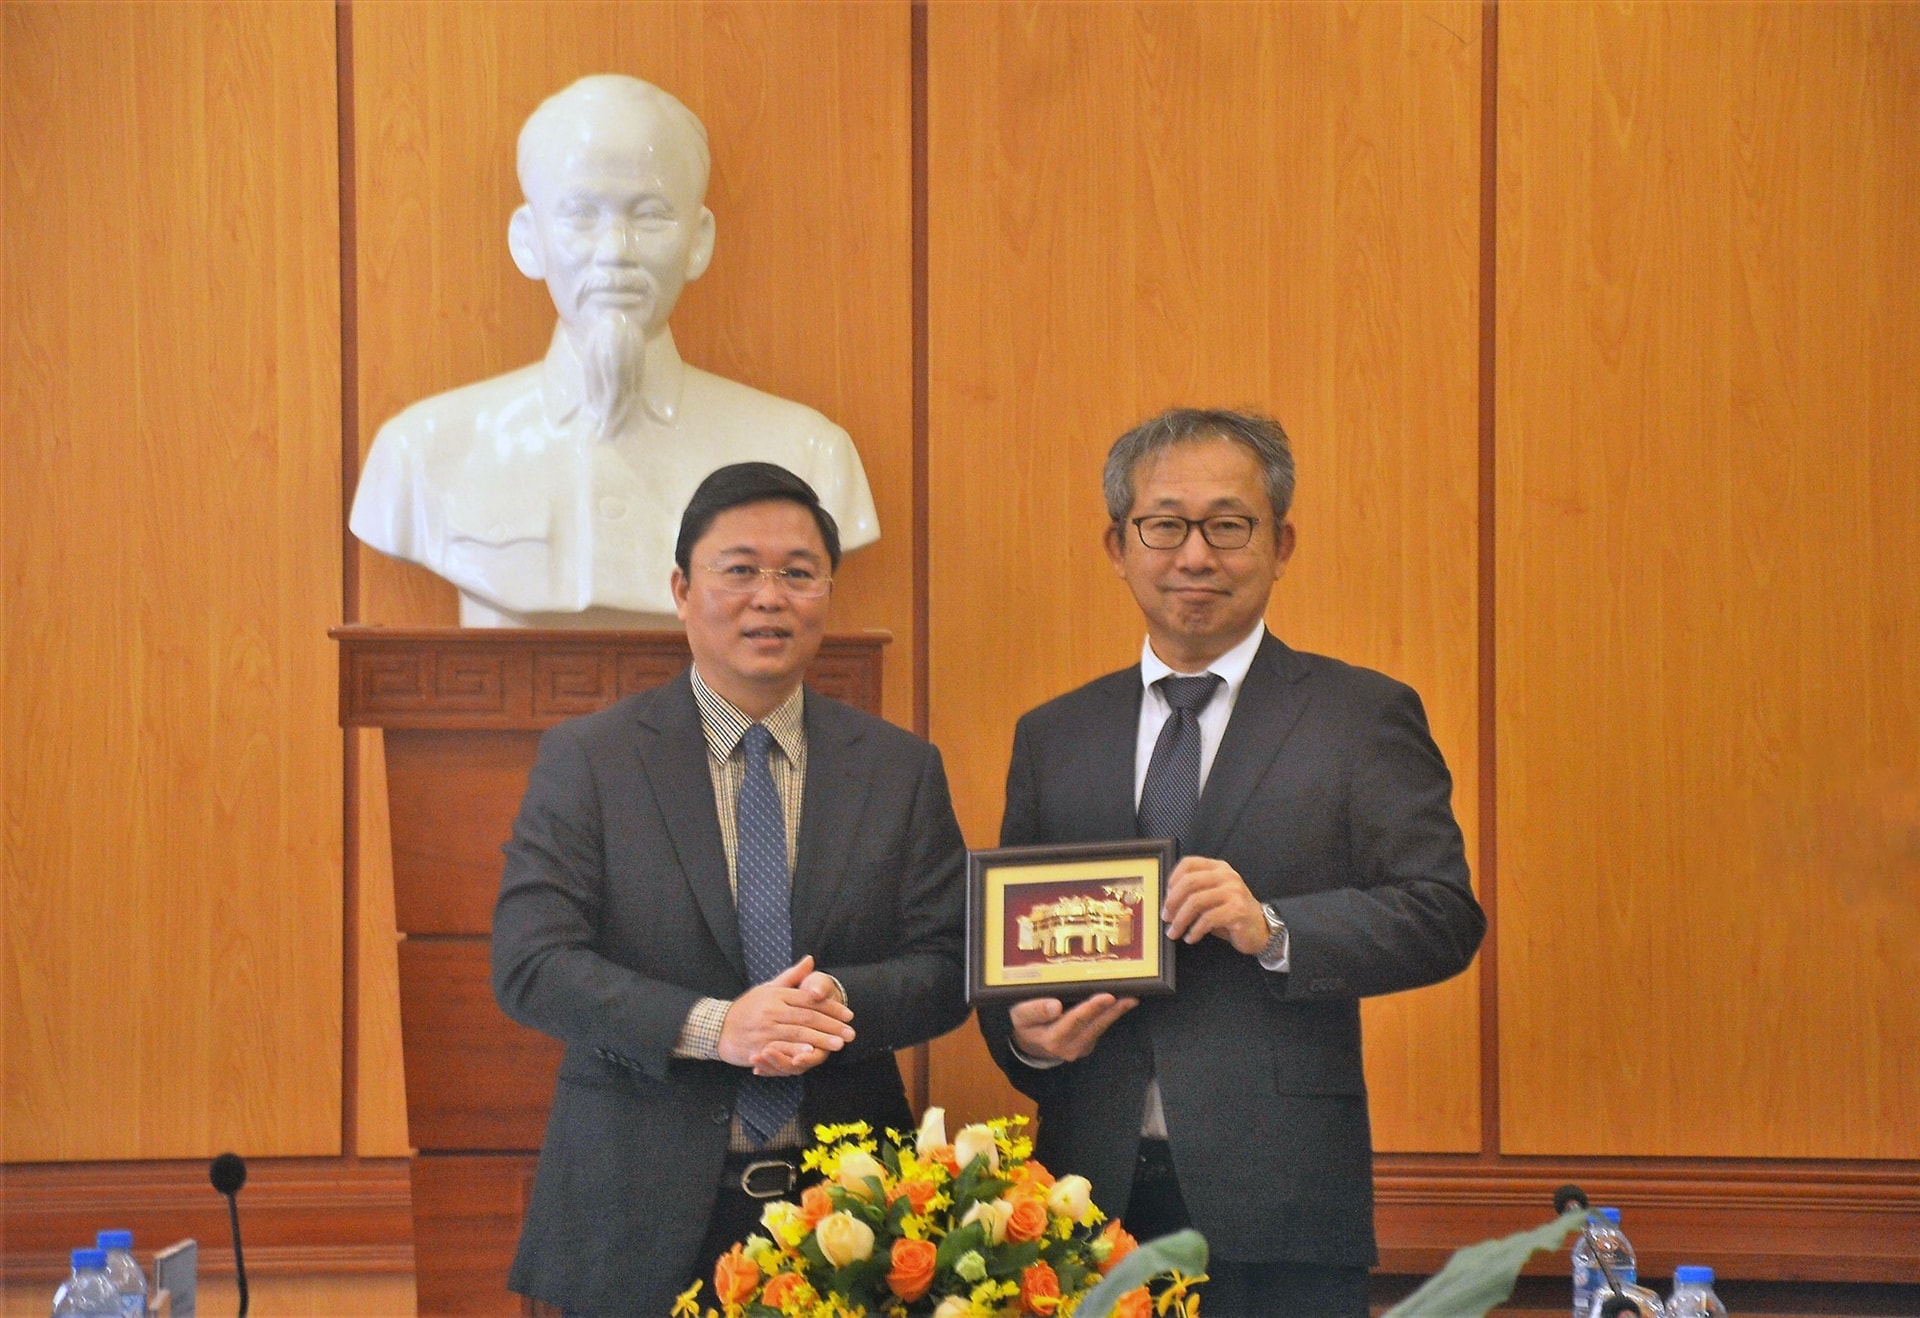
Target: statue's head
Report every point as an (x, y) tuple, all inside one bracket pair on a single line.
[(614, 171)]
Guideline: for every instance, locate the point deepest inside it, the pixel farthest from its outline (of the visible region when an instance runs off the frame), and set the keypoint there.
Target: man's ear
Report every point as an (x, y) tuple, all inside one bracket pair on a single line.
[(677, 584), (1283, 541), (523, 240), (1116, 544), (700, 256)]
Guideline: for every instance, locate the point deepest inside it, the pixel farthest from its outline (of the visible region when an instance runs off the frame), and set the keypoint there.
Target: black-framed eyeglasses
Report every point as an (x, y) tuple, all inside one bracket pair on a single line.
[(1165, 531), (745, 578)]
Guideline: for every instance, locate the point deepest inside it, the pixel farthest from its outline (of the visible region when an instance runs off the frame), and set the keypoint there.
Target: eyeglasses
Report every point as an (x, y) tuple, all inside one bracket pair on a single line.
[(1165, 531), (744, 579)]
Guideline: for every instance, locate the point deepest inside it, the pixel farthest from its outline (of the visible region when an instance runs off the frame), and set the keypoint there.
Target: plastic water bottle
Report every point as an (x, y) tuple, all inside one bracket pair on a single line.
[(1610, 1245), (124, 1272), (1693, 1295), (87, 1293)]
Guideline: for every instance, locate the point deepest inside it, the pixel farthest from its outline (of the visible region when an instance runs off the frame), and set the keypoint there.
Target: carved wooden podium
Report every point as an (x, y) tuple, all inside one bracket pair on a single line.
[(461, 713)]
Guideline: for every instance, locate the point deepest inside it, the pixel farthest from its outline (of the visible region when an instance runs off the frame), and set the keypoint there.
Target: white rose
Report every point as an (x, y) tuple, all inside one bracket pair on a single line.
[(953, 1306), (1071, 1197), (933, 1131), (971, 1142), (992, 1216), (855, 1168), (844, 1238)]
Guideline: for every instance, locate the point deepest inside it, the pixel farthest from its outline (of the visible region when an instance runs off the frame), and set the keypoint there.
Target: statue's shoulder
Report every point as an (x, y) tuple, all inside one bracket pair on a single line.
[(459, 416), (709, 396)]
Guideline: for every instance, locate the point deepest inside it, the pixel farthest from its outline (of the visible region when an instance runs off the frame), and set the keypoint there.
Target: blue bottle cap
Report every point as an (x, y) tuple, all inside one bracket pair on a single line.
[(114, 1240), (1691, 1274), (89, 1258), (1611, 1214)]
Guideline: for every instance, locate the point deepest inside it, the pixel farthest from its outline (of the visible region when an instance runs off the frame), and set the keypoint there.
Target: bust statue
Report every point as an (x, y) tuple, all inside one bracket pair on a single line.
[(550, 496)]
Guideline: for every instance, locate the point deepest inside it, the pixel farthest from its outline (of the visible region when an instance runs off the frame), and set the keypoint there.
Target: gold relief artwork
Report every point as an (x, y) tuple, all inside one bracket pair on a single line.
[(1076, 928)]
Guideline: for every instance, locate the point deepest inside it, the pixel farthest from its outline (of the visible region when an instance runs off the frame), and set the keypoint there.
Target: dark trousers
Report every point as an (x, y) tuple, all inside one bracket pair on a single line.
[(1274, 1289)]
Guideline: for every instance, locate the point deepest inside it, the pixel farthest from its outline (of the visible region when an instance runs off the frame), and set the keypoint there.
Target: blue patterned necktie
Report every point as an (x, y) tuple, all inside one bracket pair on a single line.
[(763, 894), (1170, 796)]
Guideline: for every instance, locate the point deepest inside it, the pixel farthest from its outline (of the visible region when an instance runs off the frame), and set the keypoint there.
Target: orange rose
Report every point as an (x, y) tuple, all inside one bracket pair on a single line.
[(786, 1286), (1136, 1303), (943, 1154), (734, 1277), (912, 1268), (1123, 1245), (1029, 1220), (1039, 1290), (815, 1206), (917, 1194), (1034, 1174)]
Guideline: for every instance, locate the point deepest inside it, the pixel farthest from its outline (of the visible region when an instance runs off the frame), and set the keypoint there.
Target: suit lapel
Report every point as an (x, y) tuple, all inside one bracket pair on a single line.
[(674, 764), (1271, 702), (1107, 768), (835, 797)]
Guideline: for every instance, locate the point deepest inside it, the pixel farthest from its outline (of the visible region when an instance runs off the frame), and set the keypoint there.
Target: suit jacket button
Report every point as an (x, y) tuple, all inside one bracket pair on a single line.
[(721, 1116)]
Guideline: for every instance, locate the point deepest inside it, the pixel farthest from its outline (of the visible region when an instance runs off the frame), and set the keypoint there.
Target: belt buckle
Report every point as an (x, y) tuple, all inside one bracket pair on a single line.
[(780, 1179)]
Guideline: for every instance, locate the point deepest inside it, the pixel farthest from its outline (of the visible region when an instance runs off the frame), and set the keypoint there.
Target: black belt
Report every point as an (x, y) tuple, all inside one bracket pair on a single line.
[(761, 1175)]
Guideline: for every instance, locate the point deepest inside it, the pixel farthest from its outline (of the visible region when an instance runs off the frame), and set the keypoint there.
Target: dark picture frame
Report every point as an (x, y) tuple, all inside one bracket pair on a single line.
[(1068, 921)]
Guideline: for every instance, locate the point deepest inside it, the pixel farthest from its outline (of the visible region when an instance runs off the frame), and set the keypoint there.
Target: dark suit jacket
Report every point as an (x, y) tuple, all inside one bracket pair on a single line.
[(1330, 798), (615, 916)]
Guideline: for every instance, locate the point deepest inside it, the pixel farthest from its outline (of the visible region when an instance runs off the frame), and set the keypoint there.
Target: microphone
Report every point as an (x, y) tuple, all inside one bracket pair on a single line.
[(228, 1172), (1567, 1196)]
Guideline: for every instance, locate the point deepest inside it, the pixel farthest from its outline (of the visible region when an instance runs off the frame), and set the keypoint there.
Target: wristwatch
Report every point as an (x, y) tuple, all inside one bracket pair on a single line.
[(1275, 955)]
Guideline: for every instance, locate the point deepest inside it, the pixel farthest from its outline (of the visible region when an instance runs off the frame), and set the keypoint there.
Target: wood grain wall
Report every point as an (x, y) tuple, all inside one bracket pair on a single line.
[(172, 513), (1137, 206), (1709, 629), (1690, 742)]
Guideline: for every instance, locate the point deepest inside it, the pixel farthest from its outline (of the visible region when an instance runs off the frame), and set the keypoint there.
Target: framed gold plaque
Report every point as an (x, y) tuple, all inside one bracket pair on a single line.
[(1068, 921)]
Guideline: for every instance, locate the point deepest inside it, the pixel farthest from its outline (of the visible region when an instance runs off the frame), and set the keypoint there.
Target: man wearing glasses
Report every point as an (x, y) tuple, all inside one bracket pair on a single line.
[(1320, 863), (732, 899)]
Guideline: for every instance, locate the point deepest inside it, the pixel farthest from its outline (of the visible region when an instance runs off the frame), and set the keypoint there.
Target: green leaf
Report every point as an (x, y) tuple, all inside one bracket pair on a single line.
[(1183, 1251), (957, 1242), (1010, 1260), (1480, 1277)]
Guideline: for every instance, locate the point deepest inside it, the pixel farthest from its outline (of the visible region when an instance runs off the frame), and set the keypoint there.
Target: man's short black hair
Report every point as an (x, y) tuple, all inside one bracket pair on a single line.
[(743, 483)]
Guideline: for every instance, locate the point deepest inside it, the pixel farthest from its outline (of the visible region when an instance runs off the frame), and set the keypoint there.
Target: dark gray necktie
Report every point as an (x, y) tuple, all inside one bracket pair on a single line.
[(1171, 793), (763, 894)]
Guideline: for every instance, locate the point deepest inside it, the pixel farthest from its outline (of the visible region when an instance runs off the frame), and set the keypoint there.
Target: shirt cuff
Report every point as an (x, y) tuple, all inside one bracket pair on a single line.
[(1037, 1063), (700, 1033)]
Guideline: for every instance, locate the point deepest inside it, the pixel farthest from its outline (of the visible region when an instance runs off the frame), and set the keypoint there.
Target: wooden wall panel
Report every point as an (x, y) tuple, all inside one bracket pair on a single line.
[(1709, 619), (1137, 206), (172, 496)]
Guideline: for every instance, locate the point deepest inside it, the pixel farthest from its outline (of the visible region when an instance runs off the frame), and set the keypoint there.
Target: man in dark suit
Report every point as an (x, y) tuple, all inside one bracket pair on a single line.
[(1320, 863), (732, 898)]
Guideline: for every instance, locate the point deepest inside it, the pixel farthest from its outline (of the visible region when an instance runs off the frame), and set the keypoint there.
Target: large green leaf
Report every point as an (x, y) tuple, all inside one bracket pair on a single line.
[(1184, 1251), (1481, 1276)]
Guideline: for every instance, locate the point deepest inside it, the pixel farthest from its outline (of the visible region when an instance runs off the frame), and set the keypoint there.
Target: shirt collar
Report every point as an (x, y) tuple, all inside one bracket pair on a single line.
[(725, 725), (563, 380), (1231, 667)]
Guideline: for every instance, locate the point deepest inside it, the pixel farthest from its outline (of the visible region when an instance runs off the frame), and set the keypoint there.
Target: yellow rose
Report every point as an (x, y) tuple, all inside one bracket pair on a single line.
[(933, 1132), (855, 1168), (844, 1239), (992, 1216), (954, 1306), (1071, 1197), (971, 1142)]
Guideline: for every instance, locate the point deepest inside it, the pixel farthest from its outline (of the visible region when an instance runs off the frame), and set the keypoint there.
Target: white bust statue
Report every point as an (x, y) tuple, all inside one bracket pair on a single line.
[(550, 496)]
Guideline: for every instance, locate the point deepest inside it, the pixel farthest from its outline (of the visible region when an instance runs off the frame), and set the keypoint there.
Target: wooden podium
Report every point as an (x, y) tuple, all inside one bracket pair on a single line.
[(461, 712)]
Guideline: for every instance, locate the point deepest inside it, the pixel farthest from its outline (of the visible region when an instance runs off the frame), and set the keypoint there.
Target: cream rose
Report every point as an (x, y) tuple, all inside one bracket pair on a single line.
[(1071, 1197), (855, 1168), (992, 1216), (844, 1239), (779, 1217), (954, 1306), (933, 1131), (971, 1142)]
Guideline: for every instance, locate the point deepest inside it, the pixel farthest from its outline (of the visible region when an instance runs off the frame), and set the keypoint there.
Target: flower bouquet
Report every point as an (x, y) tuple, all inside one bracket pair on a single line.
[(972, 1228)]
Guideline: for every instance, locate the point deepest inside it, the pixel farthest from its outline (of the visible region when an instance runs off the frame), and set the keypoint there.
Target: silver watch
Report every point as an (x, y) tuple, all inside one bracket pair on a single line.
[(1279, 944)]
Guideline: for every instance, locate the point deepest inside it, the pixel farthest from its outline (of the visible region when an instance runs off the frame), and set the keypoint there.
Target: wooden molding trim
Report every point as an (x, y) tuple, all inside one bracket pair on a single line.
[(1769, 1221), (507, 679), (298, 1216)]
